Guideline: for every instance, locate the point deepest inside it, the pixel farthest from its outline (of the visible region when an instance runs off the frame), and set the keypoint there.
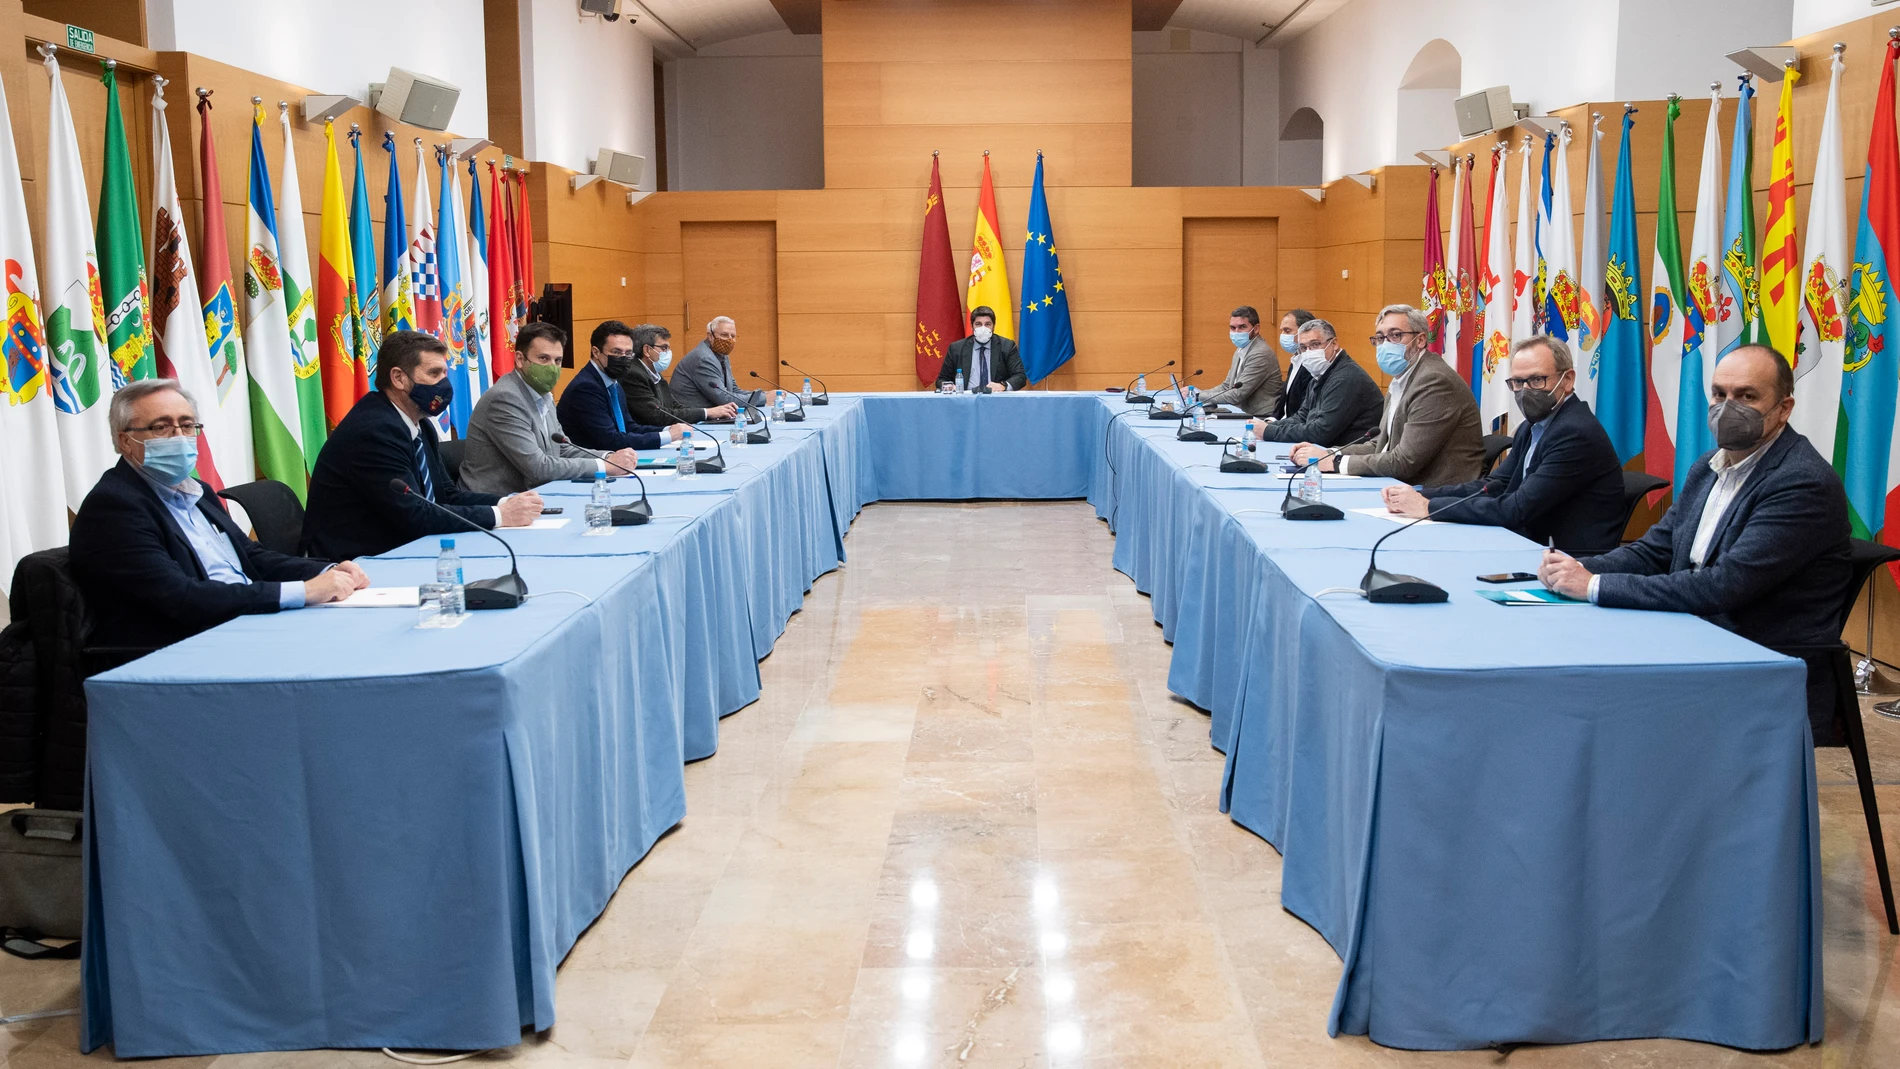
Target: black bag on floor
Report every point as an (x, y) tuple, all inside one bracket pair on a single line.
[(41, 875)]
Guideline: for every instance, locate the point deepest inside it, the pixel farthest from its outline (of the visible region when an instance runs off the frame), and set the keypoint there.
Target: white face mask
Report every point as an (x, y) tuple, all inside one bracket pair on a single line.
[(1314, 362), (983, 333)]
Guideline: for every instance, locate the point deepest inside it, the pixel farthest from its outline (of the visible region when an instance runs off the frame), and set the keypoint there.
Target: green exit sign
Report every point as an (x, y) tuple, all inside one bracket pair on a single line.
[(79, 39)]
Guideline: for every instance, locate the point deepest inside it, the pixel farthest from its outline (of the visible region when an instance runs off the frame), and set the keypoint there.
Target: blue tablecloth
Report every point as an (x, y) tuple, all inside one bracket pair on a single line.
[(327, 829)]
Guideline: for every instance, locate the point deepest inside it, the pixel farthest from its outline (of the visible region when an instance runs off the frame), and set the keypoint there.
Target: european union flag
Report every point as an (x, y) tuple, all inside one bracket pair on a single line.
[(1048, 341)]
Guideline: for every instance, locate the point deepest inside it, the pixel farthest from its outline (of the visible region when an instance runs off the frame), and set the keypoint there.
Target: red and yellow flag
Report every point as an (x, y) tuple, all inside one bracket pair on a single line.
[(339, 318), (501, 279), (939, 309), (524, 248), (1780, 257), (989, 274)]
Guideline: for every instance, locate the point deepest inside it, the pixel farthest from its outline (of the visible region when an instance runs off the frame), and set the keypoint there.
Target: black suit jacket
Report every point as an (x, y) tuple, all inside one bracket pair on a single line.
[(586, 413), (1778, 569), (1570, 492), (1297, 382), (1006, 365), (649, 400), (143, 583), (1338, 408), (352, 510)]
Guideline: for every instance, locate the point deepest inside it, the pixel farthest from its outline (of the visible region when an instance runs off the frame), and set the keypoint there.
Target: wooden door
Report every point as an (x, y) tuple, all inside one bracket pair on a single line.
[(731, 269), (1225, 263)]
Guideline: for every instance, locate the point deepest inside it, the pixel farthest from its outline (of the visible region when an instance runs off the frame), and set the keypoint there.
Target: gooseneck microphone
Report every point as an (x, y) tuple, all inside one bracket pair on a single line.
[(789, 417), (1386, 587), (502, 592), (1179, 386), (823, 398), (1232, 463), (712, 465), (623, 515), (1300, 508), (1135, 398)]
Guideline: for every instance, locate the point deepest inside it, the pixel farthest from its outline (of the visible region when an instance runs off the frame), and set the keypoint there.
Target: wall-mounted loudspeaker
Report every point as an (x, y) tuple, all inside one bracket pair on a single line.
[(415, 99), (1487, 110), (622, 167)]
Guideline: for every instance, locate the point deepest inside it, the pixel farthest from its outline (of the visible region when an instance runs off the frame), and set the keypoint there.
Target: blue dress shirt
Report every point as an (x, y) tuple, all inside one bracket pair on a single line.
[(212, 547)]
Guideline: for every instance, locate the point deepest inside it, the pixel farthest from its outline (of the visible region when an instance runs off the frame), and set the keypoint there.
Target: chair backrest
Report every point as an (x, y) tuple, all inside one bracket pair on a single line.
[(452, 452), (1494, 447), (1863, 558), (1636, 486), (276, 514)]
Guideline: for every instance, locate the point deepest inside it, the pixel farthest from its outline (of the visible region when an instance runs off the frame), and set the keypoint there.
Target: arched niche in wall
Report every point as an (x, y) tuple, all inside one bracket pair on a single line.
[(1301, 141), (1427, 95)]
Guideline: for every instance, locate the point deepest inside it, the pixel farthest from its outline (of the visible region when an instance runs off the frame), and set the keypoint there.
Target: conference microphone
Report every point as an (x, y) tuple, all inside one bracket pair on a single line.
[(1232, 463), (502, 592), (1135, 398), (823, 398), (623, 515), (1300, 508), (1179, 391), (1392, 588), (1333, 452), (789, 417), (712, 465)]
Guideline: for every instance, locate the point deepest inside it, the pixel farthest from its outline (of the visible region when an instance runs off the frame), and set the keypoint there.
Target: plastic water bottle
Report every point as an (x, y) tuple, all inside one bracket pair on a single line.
[(1247, 439), (959, 380), (805, 394), (448, 571), (688, 468), (1310, 482), (737, 438), (600, 507), (1141, 385)]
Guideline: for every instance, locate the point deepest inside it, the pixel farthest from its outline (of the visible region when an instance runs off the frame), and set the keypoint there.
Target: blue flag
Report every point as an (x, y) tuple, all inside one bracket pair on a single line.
[(399, 311), (363, 250), (1621, 393), (1048, 339), (1864, 443), (1540, 285), (448, 258)]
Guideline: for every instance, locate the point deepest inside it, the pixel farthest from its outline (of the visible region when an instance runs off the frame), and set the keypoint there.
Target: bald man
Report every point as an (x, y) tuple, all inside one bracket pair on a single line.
[(704, 376)]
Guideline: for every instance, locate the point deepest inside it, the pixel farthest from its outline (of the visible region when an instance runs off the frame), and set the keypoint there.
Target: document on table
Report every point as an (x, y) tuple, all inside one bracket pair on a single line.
[(546, 523), (1532, 596), (1383, 514), (376, 597)]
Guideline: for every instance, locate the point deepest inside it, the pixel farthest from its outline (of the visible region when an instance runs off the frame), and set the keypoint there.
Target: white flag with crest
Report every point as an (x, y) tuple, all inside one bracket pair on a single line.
[(1821, 337)]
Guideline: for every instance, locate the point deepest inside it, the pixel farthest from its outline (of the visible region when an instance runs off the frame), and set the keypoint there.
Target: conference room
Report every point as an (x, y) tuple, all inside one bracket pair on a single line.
[(949, 532)]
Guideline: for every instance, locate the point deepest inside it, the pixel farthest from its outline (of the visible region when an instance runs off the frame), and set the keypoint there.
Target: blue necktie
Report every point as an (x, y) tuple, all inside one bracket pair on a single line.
[(982, 367), (613, 398), (422, 466)]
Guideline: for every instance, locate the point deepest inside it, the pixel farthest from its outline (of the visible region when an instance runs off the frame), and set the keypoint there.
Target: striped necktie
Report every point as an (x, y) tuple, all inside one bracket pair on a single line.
[(422, 467)]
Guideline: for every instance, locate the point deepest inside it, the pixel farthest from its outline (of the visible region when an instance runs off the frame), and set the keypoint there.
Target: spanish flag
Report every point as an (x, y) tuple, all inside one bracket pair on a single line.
[(989, 274), (339, 313)]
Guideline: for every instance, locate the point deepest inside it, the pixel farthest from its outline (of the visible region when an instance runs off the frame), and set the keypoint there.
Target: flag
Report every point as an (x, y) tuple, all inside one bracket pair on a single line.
[(1560, 253), (1739, 321), (369, 322), (425, 269), (121, 246), (1780, 259), (453, 328), (1702, 309), (526, 302), (1524, 267), (338, 313), (1449, 298), (1620, 393), (1590, 270), (1464, 282), (1494, 398), (398, 289), (1048, 339), (75, 321), (501, 275), (1864, 455), (1665, 315), (276, 424), (217, 295), (300, 304), (989, 273), (939, 305), (180, 341), (32, 493), (1432, 287), (1820, 338), (476, 277), (1482, 284), (1540, 281)]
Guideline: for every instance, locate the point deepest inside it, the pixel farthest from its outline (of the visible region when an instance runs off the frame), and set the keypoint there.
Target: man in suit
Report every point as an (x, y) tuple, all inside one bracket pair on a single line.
[(985, 357), (593, 408), (354, 509), (1756, 540), (1339, 401), (649, 396), (704, 377), (155, 553), (1297, 379), (1253, 383), (511, 444), (1561, 484), (1430, 434)]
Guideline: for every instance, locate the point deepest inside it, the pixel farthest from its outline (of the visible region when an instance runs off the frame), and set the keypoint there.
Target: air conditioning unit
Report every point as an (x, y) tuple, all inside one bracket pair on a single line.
[(415, 99), (1487, 110), (622, 167)]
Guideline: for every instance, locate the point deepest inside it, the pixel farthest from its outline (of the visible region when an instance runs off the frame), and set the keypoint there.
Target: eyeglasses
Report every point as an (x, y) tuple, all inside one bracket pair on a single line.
[(1312, 346), (1397, 336), (1533, 382), (166, 428), (611, 353)]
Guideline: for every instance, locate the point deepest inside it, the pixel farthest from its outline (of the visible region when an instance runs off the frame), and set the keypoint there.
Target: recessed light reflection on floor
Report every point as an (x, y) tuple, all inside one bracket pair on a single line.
[(923, 893), (1065, 1038), (1044, 894), (1054, 944), (920, 946), (909, 1049), (1058, 989), (916, 987)]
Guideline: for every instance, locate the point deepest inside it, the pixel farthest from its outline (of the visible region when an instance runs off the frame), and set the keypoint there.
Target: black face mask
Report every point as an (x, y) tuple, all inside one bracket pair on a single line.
[(1736, 425), (620, 367), (433, 399), (1536, 404)]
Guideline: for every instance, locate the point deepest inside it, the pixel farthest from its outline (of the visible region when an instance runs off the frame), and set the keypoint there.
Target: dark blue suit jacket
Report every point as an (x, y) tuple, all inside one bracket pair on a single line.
[(586, 412), (143, 583), (352, 511), (1570, 492), (1778, 570)]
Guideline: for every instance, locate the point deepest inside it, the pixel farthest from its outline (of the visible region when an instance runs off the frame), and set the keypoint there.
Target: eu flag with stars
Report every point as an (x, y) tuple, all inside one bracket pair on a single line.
[(1047, 340)]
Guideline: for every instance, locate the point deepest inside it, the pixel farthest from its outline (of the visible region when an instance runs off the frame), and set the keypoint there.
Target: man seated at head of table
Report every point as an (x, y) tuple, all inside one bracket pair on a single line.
[(355, 509), (1560, 484), (1338, 403), (1253, 383), (704, 378), (986, 358), (1430, 434), (649, 396), (593, 407), (511, 444), (153, 549)]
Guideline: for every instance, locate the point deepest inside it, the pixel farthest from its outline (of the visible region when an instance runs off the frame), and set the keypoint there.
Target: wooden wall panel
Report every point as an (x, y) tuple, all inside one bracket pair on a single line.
[(731, 269), (1225, 263), (1012, 33), (913, 92)]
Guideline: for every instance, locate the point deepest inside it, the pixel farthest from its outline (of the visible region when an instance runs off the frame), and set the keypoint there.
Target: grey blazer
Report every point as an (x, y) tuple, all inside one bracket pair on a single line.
[(704, 379), (510, 448), (1436, 438), (1253, 383)]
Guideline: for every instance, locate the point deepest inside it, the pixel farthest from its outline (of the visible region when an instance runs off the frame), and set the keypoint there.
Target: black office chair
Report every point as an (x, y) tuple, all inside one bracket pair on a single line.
[(1831, 696), (452, 452), (1494, 447), (1636, 486), (276, 514)]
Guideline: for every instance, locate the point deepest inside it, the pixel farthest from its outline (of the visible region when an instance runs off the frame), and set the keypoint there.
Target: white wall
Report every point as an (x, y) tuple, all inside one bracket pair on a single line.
[(585, 84), (1813, 16), (337, 46), (1259, 115), (1187, 109), (747, 114)]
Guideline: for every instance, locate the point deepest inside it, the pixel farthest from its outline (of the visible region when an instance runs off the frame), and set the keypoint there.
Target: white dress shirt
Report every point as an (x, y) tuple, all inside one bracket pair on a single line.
[(416, 429), (1393, 393)]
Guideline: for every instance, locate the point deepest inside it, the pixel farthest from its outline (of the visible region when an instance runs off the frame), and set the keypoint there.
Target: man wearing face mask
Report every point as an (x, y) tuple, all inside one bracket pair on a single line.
[(1339, 401), (1756, 541), (593, 408), (986, 358), (1430, 433), (1253, 383), (1561, 483), (353, 510), (649, 396), (153, 549), (704, 377), (511, 444), (1297, 380)]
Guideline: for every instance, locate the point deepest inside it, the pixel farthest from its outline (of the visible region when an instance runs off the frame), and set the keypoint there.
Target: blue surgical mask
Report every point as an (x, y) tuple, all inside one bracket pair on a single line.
[(663, 361), (170, 460), (1392, 358), (1240, 338), (1287, 343), (433, 399)]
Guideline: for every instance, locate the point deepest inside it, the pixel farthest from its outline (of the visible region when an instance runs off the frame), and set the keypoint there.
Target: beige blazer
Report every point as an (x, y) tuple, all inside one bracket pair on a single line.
[(1436, 437)]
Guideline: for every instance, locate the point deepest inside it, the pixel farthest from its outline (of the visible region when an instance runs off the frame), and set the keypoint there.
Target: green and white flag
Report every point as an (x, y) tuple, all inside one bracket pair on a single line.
[(276, 429), (82, 374), (300, 302), (121, 247)]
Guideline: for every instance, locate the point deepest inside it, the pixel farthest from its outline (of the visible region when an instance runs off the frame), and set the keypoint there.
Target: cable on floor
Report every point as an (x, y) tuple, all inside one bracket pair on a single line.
[(410, 1059), (37, 1015)]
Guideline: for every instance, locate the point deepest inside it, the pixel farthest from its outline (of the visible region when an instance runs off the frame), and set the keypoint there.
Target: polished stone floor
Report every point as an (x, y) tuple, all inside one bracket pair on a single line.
[(967, 826)]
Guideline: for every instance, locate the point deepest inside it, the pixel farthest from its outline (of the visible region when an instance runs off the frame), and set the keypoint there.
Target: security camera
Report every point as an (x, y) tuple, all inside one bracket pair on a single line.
[(612, 16)]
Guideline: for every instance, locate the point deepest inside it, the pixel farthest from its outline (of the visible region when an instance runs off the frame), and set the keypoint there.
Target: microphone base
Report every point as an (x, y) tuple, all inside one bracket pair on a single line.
[(501, 592), (1139, 399), (1391, 588), (1164, 414), (1196, 436), (794, 417), (640, 512), (712, 465), (825, 400), (1242, 466), (1298, 508), (758, 437)]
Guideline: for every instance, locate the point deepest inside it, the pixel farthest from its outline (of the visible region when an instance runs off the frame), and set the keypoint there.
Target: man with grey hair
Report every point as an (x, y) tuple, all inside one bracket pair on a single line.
[(155, 553), (1431, 434), (1340, 402), (1561, 483), (649, 397), (704, 377)]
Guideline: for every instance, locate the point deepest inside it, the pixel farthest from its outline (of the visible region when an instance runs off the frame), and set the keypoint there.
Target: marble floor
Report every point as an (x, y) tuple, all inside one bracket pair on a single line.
[(966, 825)]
